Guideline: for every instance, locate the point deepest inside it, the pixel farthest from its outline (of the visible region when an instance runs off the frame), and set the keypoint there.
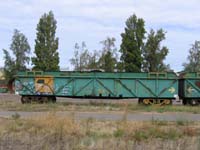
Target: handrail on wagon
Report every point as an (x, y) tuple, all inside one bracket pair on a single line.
[(157, 74), (35, 73)]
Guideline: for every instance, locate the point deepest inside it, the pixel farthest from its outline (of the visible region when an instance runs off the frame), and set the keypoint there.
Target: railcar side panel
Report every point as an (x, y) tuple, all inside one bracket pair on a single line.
[(190, 86), (98, 84)]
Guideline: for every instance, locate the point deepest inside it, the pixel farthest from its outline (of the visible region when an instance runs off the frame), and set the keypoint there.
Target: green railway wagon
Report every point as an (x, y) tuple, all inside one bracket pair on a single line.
[(3, 86), (147, 87), (3, 89), (189, 88)]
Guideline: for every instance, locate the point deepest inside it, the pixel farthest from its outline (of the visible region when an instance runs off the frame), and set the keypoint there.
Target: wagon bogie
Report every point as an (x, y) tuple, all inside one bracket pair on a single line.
[(153, 101), (37, 99)]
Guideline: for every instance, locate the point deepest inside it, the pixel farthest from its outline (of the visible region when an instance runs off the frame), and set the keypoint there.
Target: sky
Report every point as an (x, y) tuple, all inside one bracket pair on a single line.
[(93, 21)]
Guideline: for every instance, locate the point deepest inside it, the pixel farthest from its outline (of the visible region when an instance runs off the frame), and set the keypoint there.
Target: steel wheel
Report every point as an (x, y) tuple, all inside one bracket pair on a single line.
[(52, 99), (185, 102), (166, 102), (23, 99), (193, 102), (148, 101)]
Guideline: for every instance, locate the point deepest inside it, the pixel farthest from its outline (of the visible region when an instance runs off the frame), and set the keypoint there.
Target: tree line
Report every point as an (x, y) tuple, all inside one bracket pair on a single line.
[(140, 51), (46, 49), (136, 55)]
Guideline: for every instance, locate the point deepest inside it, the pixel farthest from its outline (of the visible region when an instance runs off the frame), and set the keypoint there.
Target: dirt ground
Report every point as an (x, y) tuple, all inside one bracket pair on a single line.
[(11, 104), (10, 97)]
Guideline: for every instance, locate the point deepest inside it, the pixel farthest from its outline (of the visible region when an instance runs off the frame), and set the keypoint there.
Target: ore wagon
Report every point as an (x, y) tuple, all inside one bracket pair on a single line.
[(149, 88), (189, 88), (3, 86)]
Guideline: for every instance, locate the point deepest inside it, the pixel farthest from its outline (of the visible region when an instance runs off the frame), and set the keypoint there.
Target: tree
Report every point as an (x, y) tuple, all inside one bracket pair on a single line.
[(46, 44), (105, 59), (108, 58), (132, 42), (153, 54), (94, 60), (81, 57), (9, 66), (76, 60), (194, 58), (20, 49)]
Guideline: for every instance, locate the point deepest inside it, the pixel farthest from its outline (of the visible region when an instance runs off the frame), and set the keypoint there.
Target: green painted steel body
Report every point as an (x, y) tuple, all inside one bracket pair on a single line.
[(101, 84), (3, 86), (3, 90), (189, 85)]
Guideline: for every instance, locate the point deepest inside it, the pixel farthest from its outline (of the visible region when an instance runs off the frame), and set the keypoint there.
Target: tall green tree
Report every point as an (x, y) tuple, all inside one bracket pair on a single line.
[(108, 58), (46, 44), (20, 49), (153, 53), (9, 66), (132, 42), (193, 63)]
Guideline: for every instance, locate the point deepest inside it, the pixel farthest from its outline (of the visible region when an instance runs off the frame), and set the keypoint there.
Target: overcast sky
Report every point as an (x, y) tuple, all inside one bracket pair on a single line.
[(94, 20)]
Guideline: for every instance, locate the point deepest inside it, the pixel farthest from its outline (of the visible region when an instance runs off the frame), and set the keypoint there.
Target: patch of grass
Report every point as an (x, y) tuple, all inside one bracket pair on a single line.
[(88, 123), (190, 131), (171, 134), (54, 132), (156, 132), (162, 109), (95, 105), (182, 122), (15, 116), (140, 135), (119, 133), (159, 122)]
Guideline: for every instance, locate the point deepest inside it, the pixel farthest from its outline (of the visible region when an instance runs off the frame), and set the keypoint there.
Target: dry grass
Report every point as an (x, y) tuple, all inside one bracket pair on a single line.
[(57, 133), (11, 102), (68, 106)]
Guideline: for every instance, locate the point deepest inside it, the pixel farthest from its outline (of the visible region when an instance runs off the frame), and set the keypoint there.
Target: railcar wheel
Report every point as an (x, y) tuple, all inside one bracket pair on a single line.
[(51, 99), (193, 102), (140, 101), (26, 99), (38, 99), (148, 101), (185, 102), (152, 101), (23, 100), (45, 99), (155, 101), (165, 102)]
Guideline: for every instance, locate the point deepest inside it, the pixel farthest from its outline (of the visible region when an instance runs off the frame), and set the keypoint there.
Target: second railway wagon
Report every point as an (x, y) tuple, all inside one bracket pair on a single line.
[(189, 88), (147, 87), (3, 86)]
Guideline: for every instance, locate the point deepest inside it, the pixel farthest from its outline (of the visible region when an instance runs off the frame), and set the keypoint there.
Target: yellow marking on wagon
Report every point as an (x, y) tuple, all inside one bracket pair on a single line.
[(44, 84)]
